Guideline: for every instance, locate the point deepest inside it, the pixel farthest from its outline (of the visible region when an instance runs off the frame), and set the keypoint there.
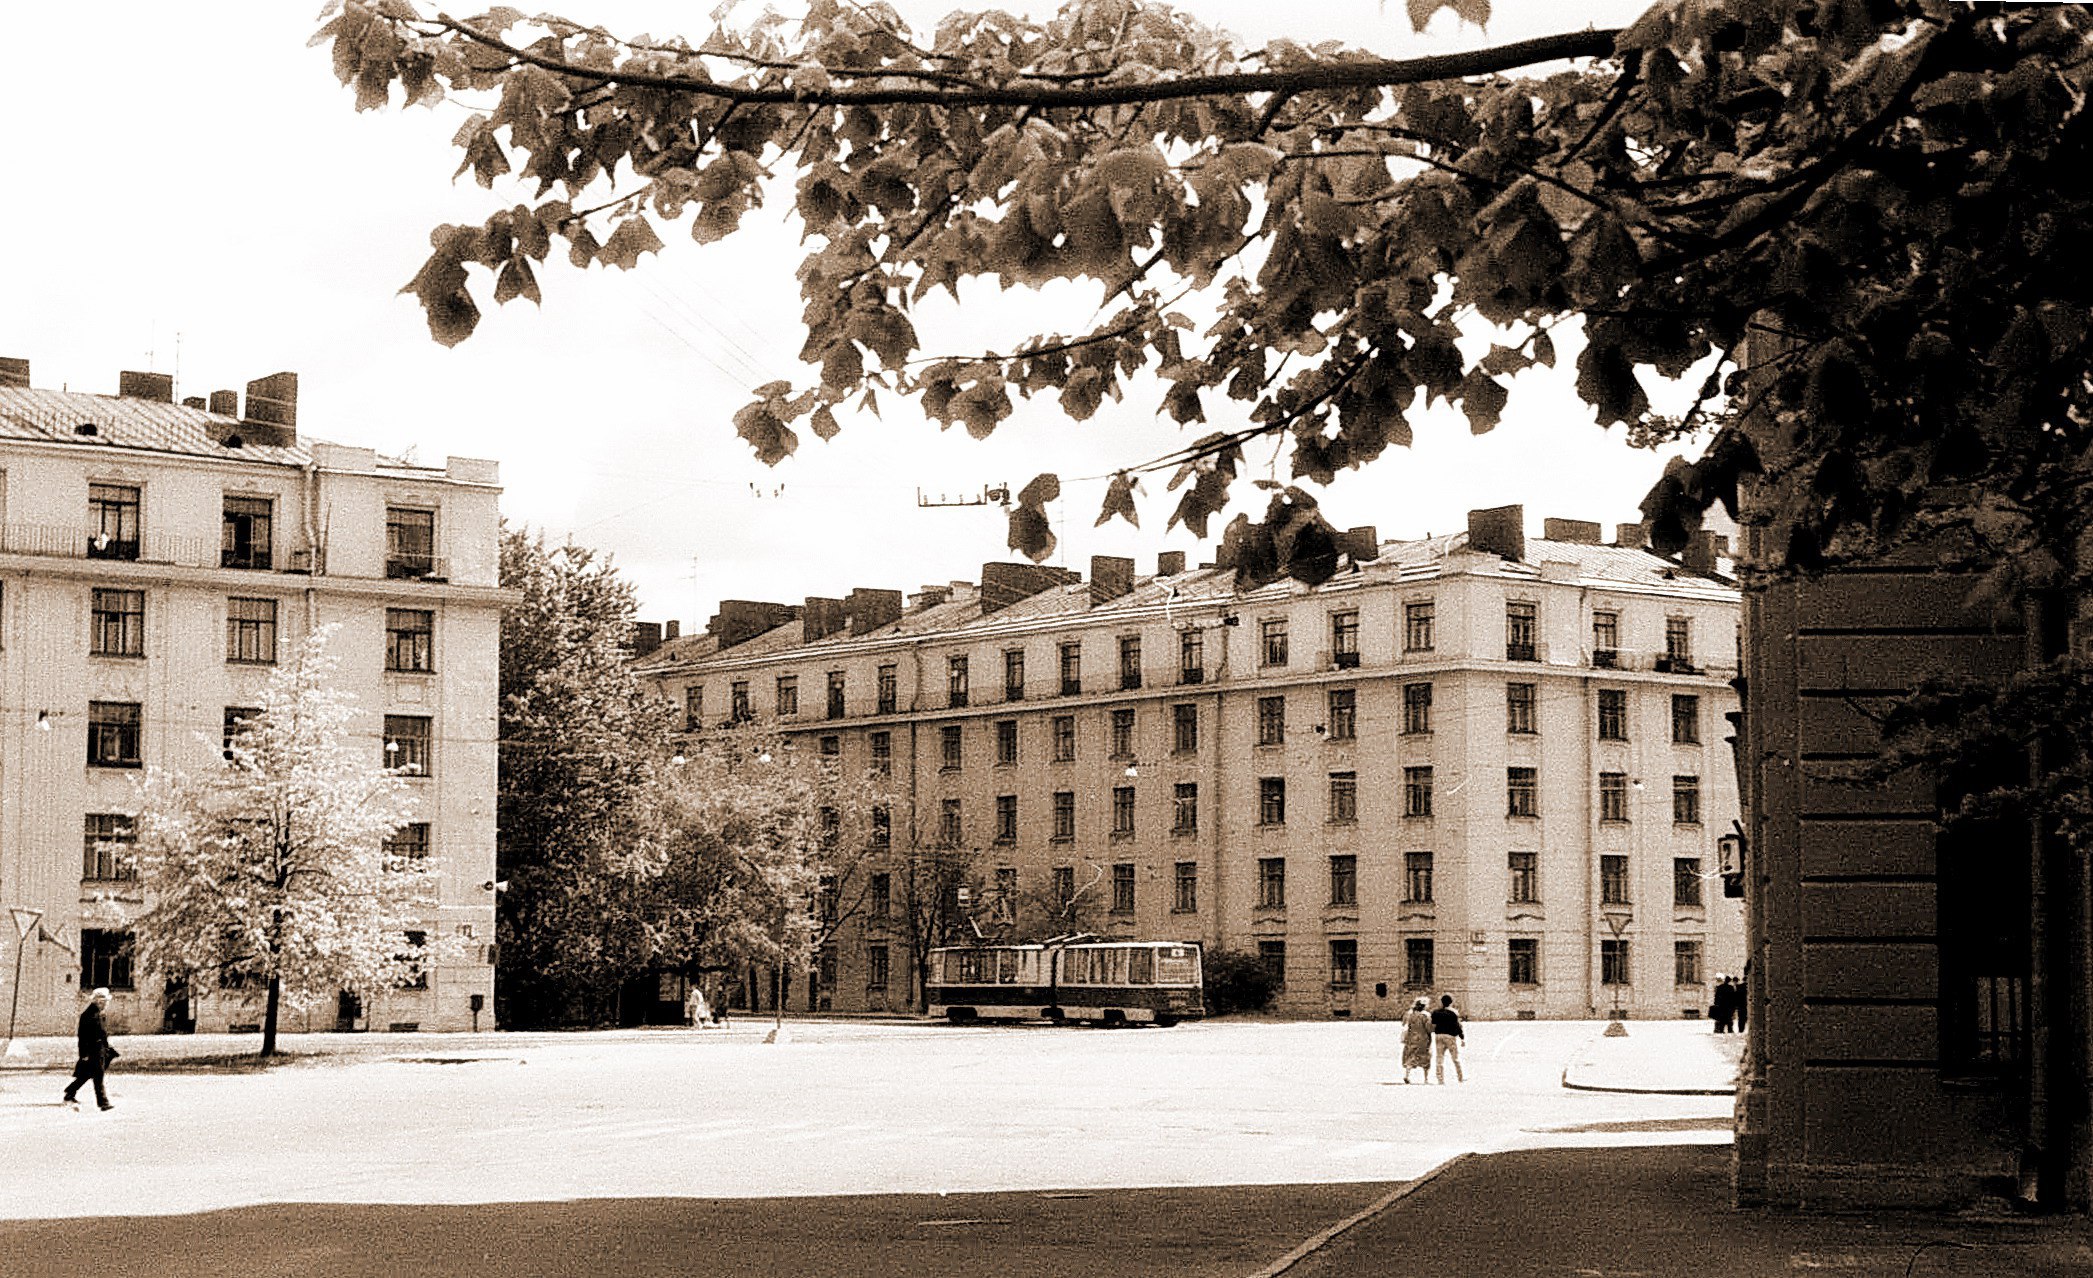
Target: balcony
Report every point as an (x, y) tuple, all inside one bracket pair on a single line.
[(1606, 659), (409, 566), (60, 542)]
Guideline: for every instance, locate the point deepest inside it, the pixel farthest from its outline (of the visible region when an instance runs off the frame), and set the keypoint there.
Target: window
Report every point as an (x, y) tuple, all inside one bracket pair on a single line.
[(1184, 808), (831, 828), (1525, 965), (409, 972), (1344, 639), (1678, 643), (250, 631), (882, 826), (1519, 709), (1064, 815), (1417, 878), (1344, 963), (245, 542), (1686, 720), (880, 902), (877, 967), (1526, 889), (882, 744), (1272, 954), (1613, 796), (1272, 641), (694, 708), (1613, 961), (1123, 734), (827, 898), (407, 846), (113, 517), (1521, 622), (1417, 962), (837, 687), (1013, 674), (1271, 882), (1122, 811), (1522, 792), (1417, 708), (1613, 714), (1606, 637), (1191, 657), (1064, 878), (738, 701), (1686, 800), (1271, 721), (118, 628), (105, 959), (407, 739), (1006, 893), (1417, 626), (410, 638), (955, 681), (1185, 900), (1184, 728), (1344, 880), (1071, 669), (1417, 792), (1064, 738), (1686, 963), (788, 696), (884, 692), (1006, 742), (112, 734), (1686, 880), (1613, 879), (831, 746), (1129, 661), (1344, 798), (237, 720), (107, 855), (1271, 800), (951, 828), (410, 542), (948, 748), (1123, 888), (1344, 714)]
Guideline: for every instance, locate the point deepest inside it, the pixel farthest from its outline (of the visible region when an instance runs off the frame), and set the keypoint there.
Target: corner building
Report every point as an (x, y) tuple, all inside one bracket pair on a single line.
[(1479, 764), (157, 561)]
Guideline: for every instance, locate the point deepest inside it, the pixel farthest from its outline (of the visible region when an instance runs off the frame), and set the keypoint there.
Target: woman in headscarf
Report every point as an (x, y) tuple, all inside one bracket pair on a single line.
[(1417, 1041)]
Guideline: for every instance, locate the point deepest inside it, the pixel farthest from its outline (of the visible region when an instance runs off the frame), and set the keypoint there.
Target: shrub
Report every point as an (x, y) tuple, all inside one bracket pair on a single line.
[(1237, 982)]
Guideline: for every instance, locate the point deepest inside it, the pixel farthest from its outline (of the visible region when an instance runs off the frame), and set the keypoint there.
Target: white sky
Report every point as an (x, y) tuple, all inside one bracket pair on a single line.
[(196, 194)]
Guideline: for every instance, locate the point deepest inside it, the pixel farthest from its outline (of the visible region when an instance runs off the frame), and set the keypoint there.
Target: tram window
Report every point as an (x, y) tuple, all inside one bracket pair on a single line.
[(1174, 966), (1006, 967), (1141, 967)]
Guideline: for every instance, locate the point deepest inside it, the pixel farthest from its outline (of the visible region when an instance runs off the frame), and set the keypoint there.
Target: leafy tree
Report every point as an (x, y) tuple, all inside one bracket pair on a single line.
[(930, 879), (268, 871), (1237, 982), (582, 746)]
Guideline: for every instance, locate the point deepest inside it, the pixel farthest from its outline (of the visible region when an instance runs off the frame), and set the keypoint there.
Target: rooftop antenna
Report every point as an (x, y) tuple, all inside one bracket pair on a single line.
[(990, 495)]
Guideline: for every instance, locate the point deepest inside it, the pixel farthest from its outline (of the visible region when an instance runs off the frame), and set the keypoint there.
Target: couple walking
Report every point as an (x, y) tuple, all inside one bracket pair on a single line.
[(1432, 1036)]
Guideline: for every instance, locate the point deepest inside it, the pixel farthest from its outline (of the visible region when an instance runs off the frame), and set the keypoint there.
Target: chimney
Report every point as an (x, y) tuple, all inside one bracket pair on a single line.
[(225, 403), (195, 401), (740, 620), (1005, 584), (1362, 544), (671, 630), (820, 618), (1631, 536), (1699, 553), (1500, 530), (14, 372), (272, 410), (929, 597), (867, 610), (1110, 577), (646, 637), (158, 387), (1579, 531), (1170, 563)]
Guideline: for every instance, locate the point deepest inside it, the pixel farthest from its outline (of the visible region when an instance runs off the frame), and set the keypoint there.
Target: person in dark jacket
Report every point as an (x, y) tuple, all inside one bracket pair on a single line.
[(1724, 1008), (95, 1052), (1446, 1038)]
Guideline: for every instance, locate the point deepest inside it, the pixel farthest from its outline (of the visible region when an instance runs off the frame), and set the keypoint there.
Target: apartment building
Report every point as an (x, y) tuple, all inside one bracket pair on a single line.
[(157, 560), (1481, 764)]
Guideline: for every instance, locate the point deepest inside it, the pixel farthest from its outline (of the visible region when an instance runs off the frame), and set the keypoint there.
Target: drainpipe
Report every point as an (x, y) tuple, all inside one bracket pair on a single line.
[(1217, 820)]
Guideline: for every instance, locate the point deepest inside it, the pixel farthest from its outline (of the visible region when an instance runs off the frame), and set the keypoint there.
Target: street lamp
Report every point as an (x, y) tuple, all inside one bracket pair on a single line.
[(1617, 921)]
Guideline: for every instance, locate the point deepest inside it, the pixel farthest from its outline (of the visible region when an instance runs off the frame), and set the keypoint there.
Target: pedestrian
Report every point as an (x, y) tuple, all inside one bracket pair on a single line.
[(1446, 1039), (1737, 1003), (1417, 1041), (1724, 1008), (95, 1052)]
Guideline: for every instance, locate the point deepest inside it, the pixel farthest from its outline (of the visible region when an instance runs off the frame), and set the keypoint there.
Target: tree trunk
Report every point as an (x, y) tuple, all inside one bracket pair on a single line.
[(269, 1016)]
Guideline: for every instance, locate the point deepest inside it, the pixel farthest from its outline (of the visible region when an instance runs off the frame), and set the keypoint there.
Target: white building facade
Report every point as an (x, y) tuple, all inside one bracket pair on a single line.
[(157, 561), (1483, 765)]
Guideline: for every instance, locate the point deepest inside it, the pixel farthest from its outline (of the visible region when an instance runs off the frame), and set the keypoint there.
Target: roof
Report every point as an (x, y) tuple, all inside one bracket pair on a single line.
[(149, 426)]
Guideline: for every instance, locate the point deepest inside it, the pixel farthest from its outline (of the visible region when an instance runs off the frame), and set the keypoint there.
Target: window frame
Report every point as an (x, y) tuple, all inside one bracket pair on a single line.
[(238, 527), (115, 734), (112, 620), (410, 649), (409, 760)]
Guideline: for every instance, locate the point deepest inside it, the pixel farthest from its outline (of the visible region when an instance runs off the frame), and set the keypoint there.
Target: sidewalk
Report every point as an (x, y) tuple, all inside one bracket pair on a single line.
[(1665, 1210), (1674, 1058)]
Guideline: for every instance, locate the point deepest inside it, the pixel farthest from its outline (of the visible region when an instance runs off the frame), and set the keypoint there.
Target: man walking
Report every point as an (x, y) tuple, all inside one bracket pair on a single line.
[(95, 1052), (1446, 1038)]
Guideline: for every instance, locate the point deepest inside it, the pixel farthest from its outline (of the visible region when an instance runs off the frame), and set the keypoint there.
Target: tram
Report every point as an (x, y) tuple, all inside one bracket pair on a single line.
[(1105, 982)]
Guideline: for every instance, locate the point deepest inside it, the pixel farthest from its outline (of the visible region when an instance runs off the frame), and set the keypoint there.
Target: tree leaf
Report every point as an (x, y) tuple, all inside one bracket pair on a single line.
[(1482, 398), (1119, 500)]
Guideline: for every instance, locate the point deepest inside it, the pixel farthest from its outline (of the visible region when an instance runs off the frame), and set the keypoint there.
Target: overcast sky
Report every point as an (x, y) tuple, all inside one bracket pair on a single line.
[(194, 193)]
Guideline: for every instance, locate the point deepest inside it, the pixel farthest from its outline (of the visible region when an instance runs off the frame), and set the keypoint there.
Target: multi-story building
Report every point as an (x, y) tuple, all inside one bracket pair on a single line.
[(1479, 764), (157, 560)]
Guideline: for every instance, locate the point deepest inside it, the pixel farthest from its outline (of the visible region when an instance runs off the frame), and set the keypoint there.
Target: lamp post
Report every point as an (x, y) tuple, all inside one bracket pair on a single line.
[(1617, 922)]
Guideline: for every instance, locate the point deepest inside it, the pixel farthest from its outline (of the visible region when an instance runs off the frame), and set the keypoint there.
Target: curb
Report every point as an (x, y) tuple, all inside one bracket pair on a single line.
[(1647, 1091), (1323, 1239)]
